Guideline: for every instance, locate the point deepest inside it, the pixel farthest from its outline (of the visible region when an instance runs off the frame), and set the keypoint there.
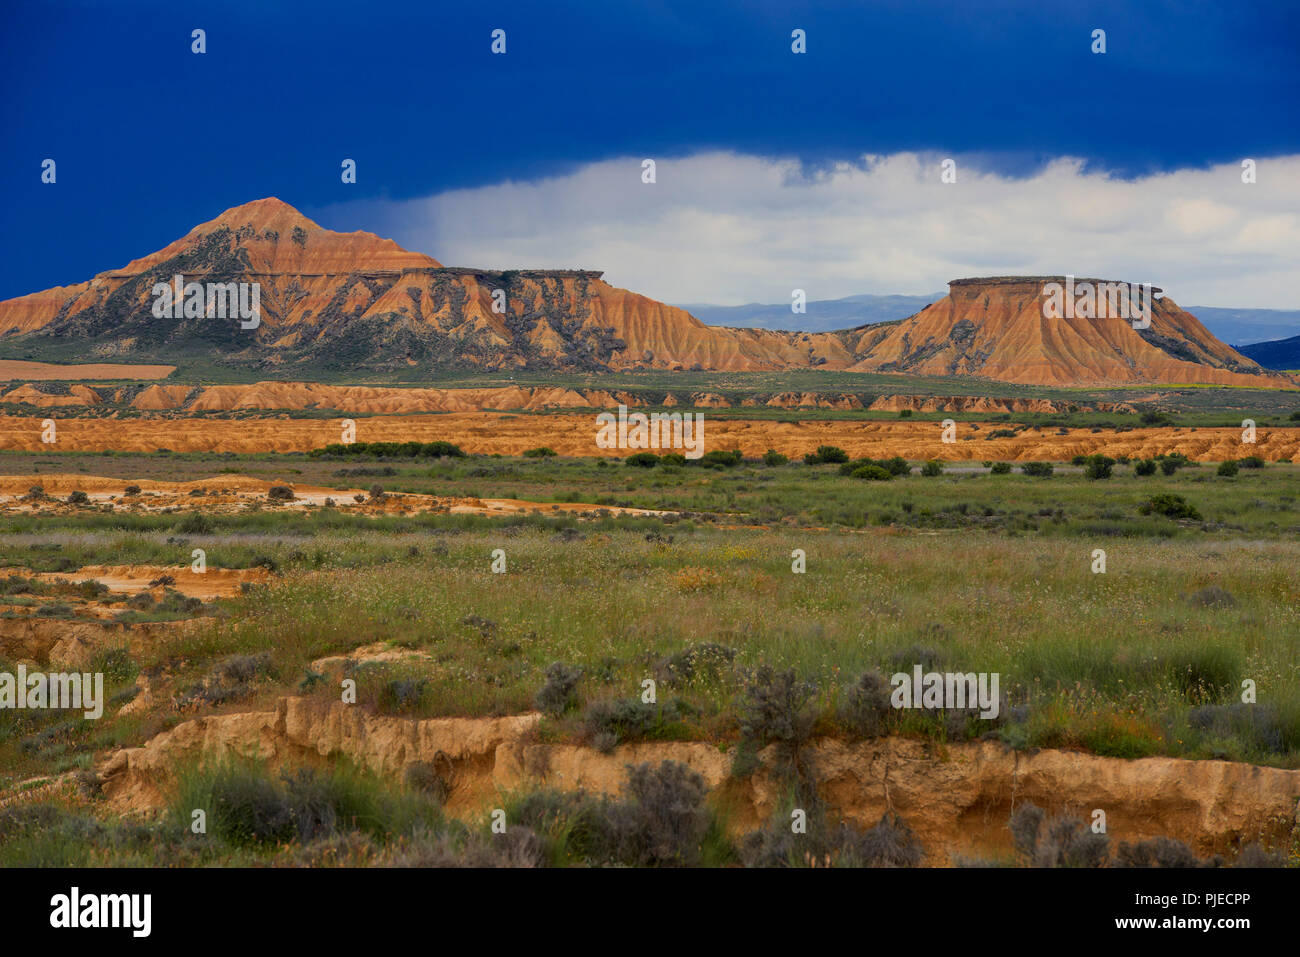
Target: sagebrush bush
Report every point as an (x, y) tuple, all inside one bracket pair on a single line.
[(866, 706), (559, 694), (776, 708), (613, 722), (1056, 842)]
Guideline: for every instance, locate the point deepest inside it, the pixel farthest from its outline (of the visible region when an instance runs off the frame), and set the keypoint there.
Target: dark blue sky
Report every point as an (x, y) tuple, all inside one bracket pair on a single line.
[(151, 139)]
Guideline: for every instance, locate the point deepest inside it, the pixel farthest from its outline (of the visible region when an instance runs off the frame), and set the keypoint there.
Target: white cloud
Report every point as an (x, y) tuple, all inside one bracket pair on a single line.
[(726, 228)]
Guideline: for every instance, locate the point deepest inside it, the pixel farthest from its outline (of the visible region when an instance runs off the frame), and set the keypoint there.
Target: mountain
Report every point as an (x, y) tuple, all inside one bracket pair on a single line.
[(1238, 326), (351, 302), (1279, 354), (821, 315), (1244, 326), (996, 328)]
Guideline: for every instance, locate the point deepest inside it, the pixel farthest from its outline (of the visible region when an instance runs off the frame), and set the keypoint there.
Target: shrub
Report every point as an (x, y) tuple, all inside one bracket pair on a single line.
[(904, 413), (1170, 506), (1066, 842), (194, 523), (132, 490), (1098, 467), (78, 497), (1158, 852), (611, 723), (871, 472), (1228, 468), (1169, 466), (1144, 467), (559, 694), (867, 705), (1038, 469), (402, 695), (662, 820), (773, 457), (642, 460), (1251, 462), (776, 708), (541, 452), (703, 662), (720, 459), (827, 455), (672, 458), (1000, 468), (890, 843), (932, 468), (247, 807), (280, 493)]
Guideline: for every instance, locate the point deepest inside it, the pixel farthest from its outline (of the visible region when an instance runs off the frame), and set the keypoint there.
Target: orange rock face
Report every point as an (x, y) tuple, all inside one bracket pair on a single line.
[(352, 302), (997, 329)]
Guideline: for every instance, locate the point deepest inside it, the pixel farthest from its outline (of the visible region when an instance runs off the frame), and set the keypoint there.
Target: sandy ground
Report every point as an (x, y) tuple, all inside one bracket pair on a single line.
[(130, 579), (575, 434), (234, 493), (11, 369)]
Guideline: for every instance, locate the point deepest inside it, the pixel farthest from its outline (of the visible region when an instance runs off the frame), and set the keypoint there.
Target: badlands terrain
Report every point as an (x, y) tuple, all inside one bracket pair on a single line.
[(360, 582)]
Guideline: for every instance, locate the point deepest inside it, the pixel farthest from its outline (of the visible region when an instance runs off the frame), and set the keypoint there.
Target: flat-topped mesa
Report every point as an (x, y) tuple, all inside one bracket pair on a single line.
[(967, 285), (1014, 329), (351, 302), (528, 273)]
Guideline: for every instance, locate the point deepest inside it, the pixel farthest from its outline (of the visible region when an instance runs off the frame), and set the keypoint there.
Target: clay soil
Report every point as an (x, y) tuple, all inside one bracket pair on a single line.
[(574, 435)]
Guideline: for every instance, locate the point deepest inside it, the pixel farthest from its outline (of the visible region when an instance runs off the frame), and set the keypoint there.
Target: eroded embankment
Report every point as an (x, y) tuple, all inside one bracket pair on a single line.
[(486, 433), (957, 798), (64, 644)]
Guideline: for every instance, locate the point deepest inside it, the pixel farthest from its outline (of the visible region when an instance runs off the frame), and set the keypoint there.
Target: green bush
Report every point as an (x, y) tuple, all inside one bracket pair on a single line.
[(643, 460), (1170, 506), (773, 457), (541, 452), (1037, 469), (1229, 468), (826, 454), (719, 459), (1000, 468), (1098, 466), (932, 468), (872, 473), (1144, 467)]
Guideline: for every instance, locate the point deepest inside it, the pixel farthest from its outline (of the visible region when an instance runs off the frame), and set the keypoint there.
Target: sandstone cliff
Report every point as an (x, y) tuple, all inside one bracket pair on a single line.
[(341, 303)]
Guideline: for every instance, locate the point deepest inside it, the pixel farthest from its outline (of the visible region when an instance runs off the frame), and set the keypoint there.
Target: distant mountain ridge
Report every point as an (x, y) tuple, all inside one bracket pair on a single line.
[(1279, 354), (353, 302)]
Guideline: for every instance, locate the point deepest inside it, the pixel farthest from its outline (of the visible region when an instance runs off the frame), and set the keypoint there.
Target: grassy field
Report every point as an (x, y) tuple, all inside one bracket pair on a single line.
[(964, 571)]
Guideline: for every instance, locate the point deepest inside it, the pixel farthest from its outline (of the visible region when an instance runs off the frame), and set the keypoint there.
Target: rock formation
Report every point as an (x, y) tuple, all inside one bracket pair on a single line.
[(339, 303)]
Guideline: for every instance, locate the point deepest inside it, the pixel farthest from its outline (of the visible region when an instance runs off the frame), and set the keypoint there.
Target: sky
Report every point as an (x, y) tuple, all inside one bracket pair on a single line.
[(774, 170)]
